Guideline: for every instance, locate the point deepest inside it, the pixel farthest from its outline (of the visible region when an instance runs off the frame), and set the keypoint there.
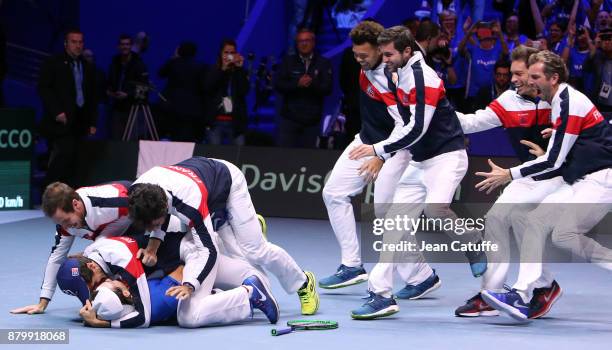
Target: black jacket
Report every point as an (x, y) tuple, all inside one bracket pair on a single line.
[(135, 72), (216, 84), (304, 104), (57, 91), (185, 87)]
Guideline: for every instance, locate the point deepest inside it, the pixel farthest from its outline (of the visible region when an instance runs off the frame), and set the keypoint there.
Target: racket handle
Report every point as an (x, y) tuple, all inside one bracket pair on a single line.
[(277, 332)]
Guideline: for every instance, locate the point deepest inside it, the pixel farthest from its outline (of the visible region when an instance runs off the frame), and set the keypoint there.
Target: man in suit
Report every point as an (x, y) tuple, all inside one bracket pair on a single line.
[(67, 88)]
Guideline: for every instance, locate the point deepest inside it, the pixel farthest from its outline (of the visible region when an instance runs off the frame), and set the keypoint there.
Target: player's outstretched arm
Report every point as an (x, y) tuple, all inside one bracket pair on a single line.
[(33, 309)]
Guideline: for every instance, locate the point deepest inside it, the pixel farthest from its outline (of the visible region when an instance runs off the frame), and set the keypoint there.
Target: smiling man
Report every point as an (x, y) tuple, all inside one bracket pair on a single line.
[(524, 116), (379, 118), (88, 212), (580, 149)]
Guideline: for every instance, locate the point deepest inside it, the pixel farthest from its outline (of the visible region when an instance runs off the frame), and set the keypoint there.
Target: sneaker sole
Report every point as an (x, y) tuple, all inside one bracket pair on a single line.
[(431, 289), (490, 313), (393, 309), (357, 280), (503, 307), (550, 304)]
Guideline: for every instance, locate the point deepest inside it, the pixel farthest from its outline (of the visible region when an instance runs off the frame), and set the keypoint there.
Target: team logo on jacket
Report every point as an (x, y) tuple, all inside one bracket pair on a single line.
[(370, 90), (74, 271), (524, 119)]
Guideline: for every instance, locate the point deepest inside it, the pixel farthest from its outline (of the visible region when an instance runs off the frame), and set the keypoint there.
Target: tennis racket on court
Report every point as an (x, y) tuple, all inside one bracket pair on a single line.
[(305, 325)]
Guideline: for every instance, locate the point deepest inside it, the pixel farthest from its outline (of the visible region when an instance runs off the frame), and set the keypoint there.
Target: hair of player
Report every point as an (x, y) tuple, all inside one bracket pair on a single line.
[(366, 32), (122, 298), (553, 64), (400, 36), (58, 195), (84, 271), (146, 203), (522, 53)]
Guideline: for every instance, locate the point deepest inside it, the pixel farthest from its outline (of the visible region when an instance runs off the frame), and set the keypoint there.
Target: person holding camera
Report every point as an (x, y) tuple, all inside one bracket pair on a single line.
[(491, 47), (67, 88), (303, 80), (126, 71), (579, 46), (227, 85), (184, 93), (599, 65)]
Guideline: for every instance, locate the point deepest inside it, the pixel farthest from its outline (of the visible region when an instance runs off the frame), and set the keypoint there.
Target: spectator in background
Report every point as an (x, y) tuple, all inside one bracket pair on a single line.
[(602, 21), (501, 83), (184, 94), (303, 80), (126, 70), (511, 32), (441, 60), (141, 43), (412, 23), (427, 39), (227, 85), (67, 88), (557, 41), (477, 8), (575, 53), (491, 47), (454, 91), (599, 64)]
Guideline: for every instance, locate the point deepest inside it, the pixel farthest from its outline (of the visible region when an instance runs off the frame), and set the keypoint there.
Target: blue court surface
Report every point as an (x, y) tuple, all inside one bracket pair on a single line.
[(581, 319)]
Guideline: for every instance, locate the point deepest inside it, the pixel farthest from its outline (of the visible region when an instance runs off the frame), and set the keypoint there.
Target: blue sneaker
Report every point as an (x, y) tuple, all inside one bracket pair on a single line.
[(478, 262), (511, 303), (376, 306), (413, 292), (345, 276), (262, 299)]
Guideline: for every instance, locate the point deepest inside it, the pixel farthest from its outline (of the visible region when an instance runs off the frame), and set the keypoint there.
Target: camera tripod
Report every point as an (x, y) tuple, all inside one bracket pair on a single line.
[(148, 118)]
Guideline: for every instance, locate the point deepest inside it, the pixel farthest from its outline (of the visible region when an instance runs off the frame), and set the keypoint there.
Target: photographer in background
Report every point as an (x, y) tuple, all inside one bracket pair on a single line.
[(184, 93), (227, 85), (579, 46), (599, 65), (442, 61), (126, 70)]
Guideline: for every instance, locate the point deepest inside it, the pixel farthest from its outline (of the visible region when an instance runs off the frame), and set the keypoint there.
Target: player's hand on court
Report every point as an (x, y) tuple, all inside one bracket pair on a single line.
[(547, 133), (146, 257), (371, 168), (533, 148), (497, 177), (362, 151), (30, 309), (180, 292)]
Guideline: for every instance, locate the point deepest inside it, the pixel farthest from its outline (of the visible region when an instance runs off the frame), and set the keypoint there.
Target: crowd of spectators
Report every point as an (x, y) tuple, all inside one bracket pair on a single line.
[(467, 46)]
